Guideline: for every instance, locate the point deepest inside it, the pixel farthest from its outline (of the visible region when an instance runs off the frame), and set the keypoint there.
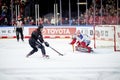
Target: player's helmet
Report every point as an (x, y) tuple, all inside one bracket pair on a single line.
[(40, 26)]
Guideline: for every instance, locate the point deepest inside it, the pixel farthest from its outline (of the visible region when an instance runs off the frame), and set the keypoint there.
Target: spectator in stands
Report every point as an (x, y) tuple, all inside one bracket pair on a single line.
[(0, 5), (66, 21), (46, 21), (105, 14), (53, 21), (32, 22), (40, 20)]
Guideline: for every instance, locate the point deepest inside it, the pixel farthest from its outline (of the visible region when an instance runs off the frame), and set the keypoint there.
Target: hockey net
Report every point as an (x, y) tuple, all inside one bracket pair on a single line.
[(107, 36)]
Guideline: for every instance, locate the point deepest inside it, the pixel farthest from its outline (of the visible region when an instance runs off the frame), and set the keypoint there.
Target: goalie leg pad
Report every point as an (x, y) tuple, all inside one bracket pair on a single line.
[(83, 49)]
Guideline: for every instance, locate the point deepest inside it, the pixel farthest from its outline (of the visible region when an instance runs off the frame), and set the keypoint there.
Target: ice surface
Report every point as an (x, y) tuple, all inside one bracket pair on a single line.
[(104, 64)]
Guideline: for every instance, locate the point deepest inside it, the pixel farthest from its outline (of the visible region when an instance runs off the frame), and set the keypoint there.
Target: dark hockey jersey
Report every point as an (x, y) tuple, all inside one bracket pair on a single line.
[(37, 35)]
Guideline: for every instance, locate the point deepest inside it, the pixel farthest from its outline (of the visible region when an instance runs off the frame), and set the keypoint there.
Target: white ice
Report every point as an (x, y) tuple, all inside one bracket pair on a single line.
[(104, 64)]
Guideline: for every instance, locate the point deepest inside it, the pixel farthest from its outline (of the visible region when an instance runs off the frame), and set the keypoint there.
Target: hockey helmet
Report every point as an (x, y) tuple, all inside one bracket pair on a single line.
[(40, 26)]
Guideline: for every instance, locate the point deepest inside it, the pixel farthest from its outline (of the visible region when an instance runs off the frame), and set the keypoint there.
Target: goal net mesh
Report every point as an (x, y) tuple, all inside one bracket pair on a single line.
[(107, 36)]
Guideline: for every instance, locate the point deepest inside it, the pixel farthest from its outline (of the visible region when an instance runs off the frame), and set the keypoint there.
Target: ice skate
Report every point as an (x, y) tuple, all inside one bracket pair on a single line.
[(46, 56)]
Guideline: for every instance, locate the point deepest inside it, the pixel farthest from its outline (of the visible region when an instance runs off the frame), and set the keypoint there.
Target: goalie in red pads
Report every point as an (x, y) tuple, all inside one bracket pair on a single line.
[(82, 42)]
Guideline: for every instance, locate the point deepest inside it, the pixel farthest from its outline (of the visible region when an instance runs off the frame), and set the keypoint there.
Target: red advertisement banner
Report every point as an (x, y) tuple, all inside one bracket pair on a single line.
[(56, 31)]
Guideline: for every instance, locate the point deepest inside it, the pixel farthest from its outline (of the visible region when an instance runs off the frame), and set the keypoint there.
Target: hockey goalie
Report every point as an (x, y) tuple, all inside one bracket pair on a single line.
[(82, 42)]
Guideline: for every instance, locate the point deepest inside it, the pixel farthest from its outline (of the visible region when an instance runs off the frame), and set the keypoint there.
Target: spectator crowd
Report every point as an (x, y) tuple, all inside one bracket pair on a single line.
[(105, 14)]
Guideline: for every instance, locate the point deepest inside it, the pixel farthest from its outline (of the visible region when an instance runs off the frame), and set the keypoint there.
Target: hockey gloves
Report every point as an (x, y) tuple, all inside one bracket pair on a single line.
[(46, 44)]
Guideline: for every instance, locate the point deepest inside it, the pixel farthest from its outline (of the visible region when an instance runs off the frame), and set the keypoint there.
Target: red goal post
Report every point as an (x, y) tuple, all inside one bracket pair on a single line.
[(107, 36)]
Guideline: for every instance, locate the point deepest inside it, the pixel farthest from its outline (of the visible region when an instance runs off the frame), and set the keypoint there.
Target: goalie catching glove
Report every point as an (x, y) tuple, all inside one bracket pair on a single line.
[(46, 44)]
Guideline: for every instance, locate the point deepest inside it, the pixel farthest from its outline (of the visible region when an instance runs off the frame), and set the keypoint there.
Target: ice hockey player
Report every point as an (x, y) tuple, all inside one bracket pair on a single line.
[(36, 41), (82, 42)]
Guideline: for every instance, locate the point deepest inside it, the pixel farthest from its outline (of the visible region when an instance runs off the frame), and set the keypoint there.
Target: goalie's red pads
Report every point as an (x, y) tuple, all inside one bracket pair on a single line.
[(73, 41), (83, 45)]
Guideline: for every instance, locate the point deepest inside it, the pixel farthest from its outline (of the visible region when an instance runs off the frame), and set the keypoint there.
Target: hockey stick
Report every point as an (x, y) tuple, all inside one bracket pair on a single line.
[(51, 48), (56, 51)]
